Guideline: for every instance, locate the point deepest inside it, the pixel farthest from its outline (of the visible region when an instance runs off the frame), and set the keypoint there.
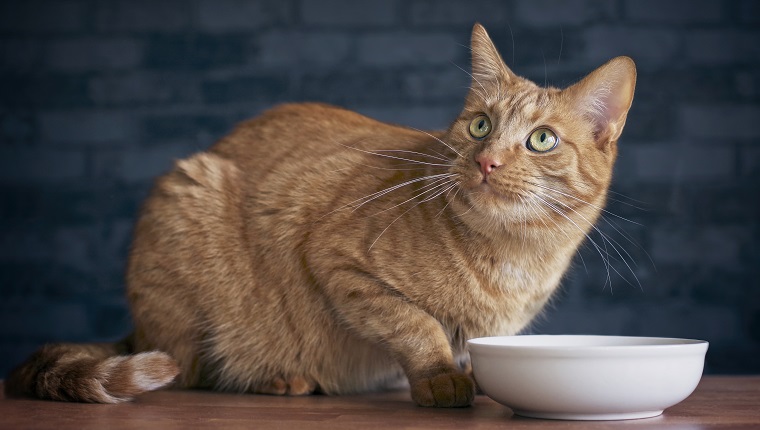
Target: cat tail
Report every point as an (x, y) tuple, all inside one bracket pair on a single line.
[(92, 373)]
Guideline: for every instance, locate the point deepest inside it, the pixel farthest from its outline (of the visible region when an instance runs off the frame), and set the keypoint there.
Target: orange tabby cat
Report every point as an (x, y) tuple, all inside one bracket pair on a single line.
[(315, 249)]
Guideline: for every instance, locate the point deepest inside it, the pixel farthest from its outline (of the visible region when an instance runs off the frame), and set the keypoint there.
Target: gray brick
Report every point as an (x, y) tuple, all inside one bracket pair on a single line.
[(142, 15), (249, 89), (44, 320), (287, 49), (646, 46), (536, 47), (674, 11), (393, 49), (140, 165), (748, 83), (23, 277), (193, 51), (95, 249), (750, 162), (715, 324), (42, 16), (73, 246), (145, 88), (722, 47), (573, 318), (21, 54), (724, 122), (16, 127), (683, 163), (436, 84), (19, 243), (433, 12), (86, 127), (708, 85), (84, 54), (192, 127), (704, 245), (51, 205), (241, 15), (650, 120), (749, 11), (111, 319), (348, 13), (551, 13), (353, 86), (422, 117), (24, 90), (36, 165), (111, 250)]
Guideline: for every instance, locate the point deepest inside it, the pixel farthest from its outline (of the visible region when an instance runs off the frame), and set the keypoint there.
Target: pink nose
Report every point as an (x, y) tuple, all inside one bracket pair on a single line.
[(487, 163)]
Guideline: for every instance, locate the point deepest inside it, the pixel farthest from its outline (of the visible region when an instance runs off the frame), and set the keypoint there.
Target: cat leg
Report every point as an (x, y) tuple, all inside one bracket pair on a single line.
[(381, 314), (294, 386)]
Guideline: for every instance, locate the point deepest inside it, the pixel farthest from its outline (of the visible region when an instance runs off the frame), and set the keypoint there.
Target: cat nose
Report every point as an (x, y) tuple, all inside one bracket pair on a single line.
[(487, 163)]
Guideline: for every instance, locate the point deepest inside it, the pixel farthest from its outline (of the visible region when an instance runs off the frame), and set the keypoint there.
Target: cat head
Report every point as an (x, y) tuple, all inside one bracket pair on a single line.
[(530, 155)]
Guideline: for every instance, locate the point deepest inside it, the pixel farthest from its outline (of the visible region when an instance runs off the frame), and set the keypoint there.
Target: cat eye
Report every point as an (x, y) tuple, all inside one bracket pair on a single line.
[(480, 126), (542, 140)]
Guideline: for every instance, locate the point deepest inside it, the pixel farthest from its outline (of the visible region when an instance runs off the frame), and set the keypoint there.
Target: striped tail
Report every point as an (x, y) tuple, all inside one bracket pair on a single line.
[(93, 373)]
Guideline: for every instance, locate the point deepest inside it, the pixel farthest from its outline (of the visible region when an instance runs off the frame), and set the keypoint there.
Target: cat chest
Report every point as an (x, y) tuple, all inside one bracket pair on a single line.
[(513, 277)]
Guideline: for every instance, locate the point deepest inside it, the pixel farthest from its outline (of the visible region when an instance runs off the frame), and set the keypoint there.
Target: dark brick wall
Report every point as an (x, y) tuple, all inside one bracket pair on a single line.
[(98, 97)]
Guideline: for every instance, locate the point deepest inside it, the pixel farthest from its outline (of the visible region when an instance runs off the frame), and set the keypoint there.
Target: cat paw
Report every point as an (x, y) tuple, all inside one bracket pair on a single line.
[(444, 390), (295, 386)]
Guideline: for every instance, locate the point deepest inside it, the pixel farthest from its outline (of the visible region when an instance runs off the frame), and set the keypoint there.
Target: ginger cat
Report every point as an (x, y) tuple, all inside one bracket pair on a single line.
[(314, 249)]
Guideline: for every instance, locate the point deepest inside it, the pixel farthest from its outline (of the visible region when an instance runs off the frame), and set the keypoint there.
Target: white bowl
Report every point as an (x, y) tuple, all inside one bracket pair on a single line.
[(587, 377)]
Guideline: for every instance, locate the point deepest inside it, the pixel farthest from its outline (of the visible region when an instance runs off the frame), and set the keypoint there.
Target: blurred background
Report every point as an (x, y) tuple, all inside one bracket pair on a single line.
[(98, 97)]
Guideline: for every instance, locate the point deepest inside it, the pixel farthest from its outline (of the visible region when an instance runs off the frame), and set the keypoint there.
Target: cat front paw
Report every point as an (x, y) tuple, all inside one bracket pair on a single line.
[(444, 390)]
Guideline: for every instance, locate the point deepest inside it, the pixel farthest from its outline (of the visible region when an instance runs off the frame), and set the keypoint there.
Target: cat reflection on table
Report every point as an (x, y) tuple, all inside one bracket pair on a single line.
[(315, 249)]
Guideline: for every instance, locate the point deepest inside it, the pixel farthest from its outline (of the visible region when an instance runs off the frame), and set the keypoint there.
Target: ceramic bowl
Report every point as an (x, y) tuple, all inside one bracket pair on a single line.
[(587, 377)]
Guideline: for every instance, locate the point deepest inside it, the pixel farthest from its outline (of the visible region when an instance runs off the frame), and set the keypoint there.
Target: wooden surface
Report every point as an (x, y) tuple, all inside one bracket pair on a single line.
[(726, 402)]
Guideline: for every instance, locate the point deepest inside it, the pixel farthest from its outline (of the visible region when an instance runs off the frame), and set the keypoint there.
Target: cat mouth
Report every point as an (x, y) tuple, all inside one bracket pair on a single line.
[(488, 191)]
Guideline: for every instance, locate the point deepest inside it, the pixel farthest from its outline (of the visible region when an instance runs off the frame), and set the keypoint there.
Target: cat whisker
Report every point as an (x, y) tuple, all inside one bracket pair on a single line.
[(436, 152), (439, 140), (396, 158), (396, 169), (432, 187), (413, 152), (392, 222), (604, 218), (458, 187), (445, 187), (437, 191), (615, 245), (485, 92), (628, 203), (582, 201), (535, 207), (395, 187), (377, 194), (588, 187), (629, 238), (606, 261)]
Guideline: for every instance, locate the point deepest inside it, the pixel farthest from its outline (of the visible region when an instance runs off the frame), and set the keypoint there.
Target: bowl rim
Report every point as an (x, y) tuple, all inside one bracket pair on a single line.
[(639, 346)]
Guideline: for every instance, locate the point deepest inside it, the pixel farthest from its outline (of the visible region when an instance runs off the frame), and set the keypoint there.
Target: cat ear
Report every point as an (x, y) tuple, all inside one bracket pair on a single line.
[(605, 96), (487, 64)]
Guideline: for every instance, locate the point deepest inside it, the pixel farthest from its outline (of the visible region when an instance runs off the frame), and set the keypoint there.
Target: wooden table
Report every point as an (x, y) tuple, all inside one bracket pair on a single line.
[(726, 402)]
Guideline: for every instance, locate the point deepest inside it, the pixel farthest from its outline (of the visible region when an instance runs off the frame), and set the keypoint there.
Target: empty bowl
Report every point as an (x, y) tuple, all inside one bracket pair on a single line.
[(587, 377)]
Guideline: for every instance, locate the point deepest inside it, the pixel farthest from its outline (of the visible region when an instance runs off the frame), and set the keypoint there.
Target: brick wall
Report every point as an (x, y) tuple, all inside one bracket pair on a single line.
[(98, 97)]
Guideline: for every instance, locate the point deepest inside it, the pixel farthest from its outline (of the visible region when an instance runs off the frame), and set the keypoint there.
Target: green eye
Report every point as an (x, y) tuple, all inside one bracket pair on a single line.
[(542, 140), (480, 127)]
